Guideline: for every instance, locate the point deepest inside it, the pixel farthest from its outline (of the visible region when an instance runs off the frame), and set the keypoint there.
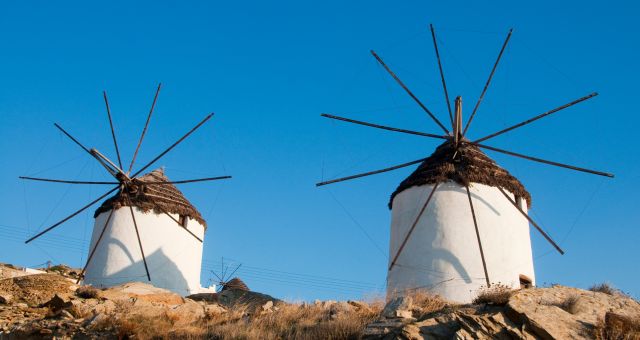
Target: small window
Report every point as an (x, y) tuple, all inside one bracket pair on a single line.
[(525, 281), (182, 219)]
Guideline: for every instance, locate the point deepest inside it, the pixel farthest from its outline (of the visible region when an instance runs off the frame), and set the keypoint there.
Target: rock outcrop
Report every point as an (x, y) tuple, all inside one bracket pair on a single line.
[(540, 313)]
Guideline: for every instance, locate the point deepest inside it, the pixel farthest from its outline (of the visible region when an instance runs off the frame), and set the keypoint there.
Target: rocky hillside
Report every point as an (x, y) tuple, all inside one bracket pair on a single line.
[(51, 306)]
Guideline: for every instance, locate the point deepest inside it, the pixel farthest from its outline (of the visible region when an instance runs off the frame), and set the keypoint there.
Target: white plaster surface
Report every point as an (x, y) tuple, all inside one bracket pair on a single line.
[(174, 257), (442, 255)]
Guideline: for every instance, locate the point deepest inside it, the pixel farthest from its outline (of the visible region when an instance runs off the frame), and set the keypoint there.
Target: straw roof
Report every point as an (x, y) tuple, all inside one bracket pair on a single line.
[(471, 165), (235, 283), (148, 197)]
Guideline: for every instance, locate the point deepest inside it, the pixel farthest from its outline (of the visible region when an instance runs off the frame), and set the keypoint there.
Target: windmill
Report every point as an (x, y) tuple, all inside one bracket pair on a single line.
[(226, 278), (459, 221), (146, 213)]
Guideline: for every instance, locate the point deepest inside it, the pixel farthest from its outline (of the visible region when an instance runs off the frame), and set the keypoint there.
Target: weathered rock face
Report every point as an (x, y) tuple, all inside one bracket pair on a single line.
[(541, 313)]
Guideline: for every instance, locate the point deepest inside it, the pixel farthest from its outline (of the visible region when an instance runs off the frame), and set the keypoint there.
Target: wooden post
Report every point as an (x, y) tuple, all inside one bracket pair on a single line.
[(475, 223), (413, 226)]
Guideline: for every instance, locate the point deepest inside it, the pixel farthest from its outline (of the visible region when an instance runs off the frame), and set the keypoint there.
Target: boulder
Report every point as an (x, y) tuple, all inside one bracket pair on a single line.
[(6, 299), (206, 297), (398, 307)]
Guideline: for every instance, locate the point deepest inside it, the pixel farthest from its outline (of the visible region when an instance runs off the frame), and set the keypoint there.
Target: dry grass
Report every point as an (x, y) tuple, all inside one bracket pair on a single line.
[(425, 303), (287, 321), (607, 288), (570, 304), (495, 295), (617, 327)]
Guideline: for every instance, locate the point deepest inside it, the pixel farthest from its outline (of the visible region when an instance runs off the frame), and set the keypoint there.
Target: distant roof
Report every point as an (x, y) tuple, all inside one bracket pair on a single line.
[(470, 166), (235, 283), (148, 197)]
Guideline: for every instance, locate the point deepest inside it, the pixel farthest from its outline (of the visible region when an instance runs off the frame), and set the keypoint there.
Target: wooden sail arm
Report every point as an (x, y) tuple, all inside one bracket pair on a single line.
[(475, 224), (359, 122), (413, 226), (486, 85), (113, 132), (539, 160), (72, 215), (409, 92), (531, 120), (146, 126), (444, 84), (65, 181), (95, 247), (545, 235), (371, 172), (173, 145)]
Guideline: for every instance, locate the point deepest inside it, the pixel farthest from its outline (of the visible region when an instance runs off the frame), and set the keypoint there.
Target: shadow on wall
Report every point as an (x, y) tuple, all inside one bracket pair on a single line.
[(437, 255), (163, 271)]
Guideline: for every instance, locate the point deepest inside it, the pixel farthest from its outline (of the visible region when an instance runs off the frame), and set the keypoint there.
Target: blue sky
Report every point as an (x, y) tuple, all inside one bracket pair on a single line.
[(268, 69)]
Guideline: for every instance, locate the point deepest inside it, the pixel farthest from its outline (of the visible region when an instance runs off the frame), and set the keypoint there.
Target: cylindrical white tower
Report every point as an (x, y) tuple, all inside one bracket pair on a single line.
[(173, 255), (442, 254)]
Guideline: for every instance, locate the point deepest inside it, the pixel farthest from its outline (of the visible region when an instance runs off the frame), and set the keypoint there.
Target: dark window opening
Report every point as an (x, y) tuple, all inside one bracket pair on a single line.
[(525, 281), (182, 219)]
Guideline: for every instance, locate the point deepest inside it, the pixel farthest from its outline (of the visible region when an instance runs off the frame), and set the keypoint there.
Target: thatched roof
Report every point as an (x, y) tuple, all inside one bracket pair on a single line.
[(147, 197), (235, 283), (471, 165)]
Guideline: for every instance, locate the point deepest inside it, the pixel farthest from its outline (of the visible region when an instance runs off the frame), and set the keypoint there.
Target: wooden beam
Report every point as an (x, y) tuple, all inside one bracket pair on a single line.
[(135, 225), (146, 126), (64, 181), (113, 132), (371, 172), (475, 224), (539, 160), (409, 92), (547, 237), (413, 226), (177, 222), (444, 84), (528, 121), (424, 134), (173, 145), (95, 247), (71, 137), (72, 215), (486, 86), (188, 180)]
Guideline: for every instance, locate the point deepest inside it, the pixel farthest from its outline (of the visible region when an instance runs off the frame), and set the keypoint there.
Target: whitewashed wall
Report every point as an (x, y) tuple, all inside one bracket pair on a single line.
[(174, 257), (442, 254)]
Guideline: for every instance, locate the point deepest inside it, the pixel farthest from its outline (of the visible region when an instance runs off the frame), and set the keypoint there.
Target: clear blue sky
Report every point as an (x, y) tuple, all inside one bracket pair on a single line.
[(268, 69)]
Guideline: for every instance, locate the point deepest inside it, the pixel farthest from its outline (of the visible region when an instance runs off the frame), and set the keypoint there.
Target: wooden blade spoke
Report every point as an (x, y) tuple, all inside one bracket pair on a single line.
[(173, 145), (72, 138), (235, 270), (113, 132), (93, 251), (64, 181), (424, 134), (444, 84), (135, 225), (528, 121), (486, 86), (475, 224), (413, 226), (72, 215), (189, 180), (371, 172), (146, 126), (409, 92), (539, 160), (177, 222), (547, 237)]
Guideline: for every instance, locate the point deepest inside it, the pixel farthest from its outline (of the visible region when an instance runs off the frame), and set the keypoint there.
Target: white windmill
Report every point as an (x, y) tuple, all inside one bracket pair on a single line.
[(148, 226), (459, 221)]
